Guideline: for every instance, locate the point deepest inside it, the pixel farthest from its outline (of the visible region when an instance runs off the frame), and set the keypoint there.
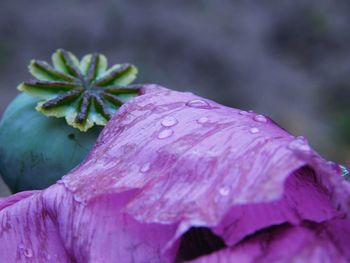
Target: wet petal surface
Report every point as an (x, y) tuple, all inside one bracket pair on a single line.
[(171, 165), (285, 244)]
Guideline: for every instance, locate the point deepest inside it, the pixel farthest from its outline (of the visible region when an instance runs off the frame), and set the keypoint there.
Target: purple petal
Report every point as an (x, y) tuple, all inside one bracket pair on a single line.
[(28, 232), (206, 165), (4, 202), (101, 232), (51, 226), (303, 199), (311, 243), (167, 162)]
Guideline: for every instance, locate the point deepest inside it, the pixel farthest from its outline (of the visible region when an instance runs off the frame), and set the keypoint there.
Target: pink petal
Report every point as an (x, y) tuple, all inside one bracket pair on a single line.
[(29, 233), (169, 161), (51, 226), (205, 166), (4, 202), (309, 243), (101, 232), (303, 199)]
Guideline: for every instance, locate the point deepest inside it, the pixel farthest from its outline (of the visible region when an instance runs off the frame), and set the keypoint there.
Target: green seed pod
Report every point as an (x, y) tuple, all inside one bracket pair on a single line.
[(35, 149)]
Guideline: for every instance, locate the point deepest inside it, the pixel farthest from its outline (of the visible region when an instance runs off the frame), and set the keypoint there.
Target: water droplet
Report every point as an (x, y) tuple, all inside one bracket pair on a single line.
[(200, 104), (145, 167), (165, 134), (169, 121), (243, 112), (254, 130), (299, 144), (345, 171), (260, 118), (78, 198), (304, 148), (224, 190), (27, 252), (203, 120), (195, 151)]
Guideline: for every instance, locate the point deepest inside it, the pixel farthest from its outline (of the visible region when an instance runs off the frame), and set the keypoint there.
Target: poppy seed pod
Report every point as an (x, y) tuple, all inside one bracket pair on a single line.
[(35, 149)]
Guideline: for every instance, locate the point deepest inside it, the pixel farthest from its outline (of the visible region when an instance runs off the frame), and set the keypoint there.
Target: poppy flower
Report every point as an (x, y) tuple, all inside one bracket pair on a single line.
[(174, 177)]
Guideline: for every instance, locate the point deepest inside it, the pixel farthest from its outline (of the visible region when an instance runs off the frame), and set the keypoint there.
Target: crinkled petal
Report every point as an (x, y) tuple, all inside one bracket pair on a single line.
[(195, 161), (311, 243), (303, 199), (167, 162), (101, 232), (50, 226), (4, 202), (28, 233)]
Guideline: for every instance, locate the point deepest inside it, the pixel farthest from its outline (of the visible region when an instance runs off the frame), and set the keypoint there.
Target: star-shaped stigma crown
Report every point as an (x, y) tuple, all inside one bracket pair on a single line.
[(84, 92)]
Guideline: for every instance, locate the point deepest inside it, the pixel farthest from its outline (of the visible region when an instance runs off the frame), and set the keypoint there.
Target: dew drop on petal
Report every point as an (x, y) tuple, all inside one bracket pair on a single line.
[(165, 134), (169, 121), (145, 167), (79, 200), (260, 118), (224, 190), (27, 252), (299, 144), (304, 148), (243, 112), (203, 120), (254, 130), (200, 104), (345, 171)]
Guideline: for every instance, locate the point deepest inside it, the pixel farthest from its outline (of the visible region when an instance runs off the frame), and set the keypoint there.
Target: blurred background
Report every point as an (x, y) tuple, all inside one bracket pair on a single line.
[(289, 60)]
